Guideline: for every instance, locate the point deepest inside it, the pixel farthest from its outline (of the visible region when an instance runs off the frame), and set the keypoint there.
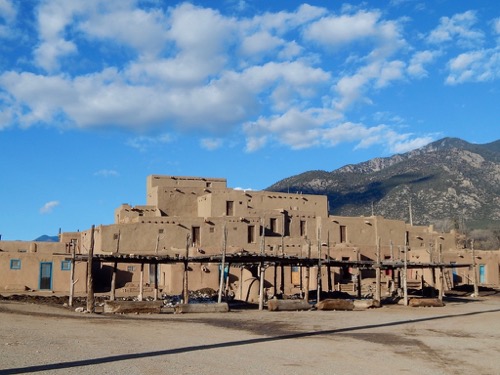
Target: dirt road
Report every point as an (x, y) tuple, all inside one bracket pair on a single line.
[(460, 338)]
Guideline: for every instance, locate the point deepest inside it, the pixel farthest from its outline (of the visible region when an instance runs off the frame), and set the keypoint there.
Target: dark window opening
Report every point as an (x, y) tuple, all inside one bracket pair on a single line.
[(195, 235), (302, 228), (343, 234), (251, 234), (229, 208)]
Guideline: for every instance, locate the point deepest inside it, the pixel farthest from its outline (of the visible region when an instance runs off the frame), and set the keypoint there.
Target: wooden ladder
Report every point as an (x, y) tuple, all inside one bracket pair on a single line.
[(447, 279)]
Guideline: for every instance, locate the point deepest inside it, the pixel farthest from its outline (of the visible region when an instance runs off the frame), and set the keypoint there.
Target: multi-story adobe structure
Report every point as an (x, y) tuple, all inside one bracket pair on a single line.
[(192, 216)]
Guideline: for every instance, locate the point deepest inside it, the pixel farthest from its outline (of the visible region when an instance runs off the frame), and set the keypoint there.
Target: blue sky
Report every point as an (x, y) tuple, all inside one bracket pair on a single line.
[(95, 95)]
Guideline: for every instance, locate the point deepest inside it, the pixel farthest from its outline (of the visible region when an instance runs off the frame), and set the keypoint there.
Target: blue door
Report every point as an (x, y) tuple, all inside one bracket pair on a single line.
[(482, 274), (45, 276)]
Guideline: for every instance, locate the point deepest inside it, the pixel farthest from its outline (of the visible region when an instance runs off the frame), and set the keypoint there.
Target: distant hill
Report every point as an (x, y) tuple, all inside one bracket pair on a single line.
[(448, 182), (46, 238)]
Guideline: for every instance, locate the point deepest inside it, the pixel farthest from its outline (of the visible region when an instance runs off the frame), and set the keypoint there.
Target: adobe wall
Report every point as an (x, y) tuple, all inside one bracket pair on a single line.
[(28, 275)]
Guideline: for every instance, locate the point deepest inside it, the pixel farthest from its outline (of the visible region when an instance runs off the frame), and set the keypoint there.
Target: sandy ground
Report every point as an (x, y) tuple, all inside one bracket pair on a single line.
[(462, 337)]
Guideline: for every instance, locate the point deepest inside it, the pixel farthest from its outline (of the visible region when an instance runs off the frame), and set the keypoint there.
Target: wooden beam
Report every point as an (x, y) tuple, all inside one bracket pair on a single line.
[(90, 280)]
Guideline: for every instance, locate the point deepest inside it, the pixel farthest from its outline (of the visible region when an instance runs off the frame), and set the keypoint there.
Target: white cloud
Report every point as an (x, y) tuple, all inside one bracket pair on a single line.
[(288, 77), (259, 43), (48, 207), (211, 143), (7, 11), (377, 74), (460, 28), (8, 15), (106, 173), (142, 143), (474, 66), (496, 25), (418, 61), (53, 19), (365, 136)]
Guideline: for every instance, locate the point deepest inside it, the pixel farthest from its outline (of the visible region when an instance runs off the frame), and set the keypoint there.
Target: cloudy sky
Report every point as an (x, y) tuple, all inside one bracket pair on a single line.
[(95, 95)]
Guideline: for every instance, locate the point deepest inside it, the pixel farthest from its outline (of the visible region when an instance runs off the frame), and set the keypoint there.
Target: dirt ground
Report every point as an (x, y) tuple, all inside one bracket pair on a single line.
[(462, 337)]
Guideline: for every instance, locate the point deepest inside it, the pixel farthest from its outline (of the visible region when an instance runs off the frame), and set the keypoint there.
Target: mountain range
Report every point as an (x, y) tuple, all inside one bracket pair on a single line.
[(450, 183)]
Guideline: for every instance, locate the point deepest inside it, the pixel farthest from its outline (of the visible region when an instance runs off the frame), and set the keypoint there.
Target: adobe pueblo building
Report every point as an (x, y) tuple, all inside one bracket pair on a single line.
[(199, 229)]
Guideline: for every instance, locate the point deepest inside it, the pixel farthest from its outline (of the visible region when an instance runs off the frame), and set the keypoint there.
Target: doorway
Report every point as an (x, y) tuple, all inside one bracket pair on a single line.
[(45, 276)]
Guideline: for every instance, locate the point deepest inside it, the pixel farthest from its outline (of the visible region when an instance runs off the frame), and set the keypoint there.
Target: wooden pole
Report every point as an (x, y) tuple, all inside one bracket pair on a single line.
[(141, 283), (185, 289), (261, 268), (223, 264), (328, 267), (90, 280), (308, 273), (72, 276), (360, 279), (118, 243), (318, 276), (112, 296), (241, 283), (474, 268), (282, 268), (405, 276), (441, 274), (156, 281), (378, 293)]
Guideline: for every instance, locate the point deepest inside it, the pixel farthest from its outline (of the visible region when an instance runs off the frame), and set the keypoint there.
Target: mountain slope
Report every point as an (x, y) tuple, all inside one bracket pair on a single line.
[(447, 180)]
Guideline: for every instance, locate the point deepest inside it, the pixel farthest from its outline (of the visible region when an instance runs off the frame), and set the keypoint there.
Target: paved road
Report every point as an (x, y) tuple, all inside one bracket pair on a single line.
[(460, 338)]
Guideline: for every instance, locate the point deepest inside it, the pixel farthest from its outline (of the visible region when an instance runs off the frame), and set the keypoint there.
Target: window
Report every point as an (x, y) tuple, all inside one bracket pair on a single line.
[(65, 265), (15, 264), (295, 275), (343, 234), (251, 234), (272, 225), (130, 268), (195, 236), (302, 228), (229, 208)]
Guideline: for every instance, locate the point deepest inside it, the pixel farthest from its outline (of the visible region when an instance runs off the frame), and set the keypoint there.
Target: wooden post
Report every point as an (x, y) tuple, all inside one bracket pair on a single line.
[(474, 268), (319, 276), (441, 274), (282, 268), (222, 264), (261, 267), (328, 267), (185, 289), (112, 296), (72, 276), (308, 273), (378, 293), (359, 278), (405, 276), (90, 280), (141, 283), (118, 243), (156, 282)]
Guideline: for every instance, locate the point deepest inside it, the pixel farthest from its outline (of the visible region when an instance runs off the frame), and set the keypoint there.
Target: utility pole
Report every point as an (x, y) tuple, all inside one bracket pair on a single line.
[(474, 268)]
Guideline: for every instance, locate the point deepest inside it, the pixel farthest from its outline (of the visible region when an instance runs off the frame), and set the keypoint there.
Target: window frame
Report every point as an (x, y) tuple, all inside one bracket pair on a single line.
[(65, 265), (15, 261)]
